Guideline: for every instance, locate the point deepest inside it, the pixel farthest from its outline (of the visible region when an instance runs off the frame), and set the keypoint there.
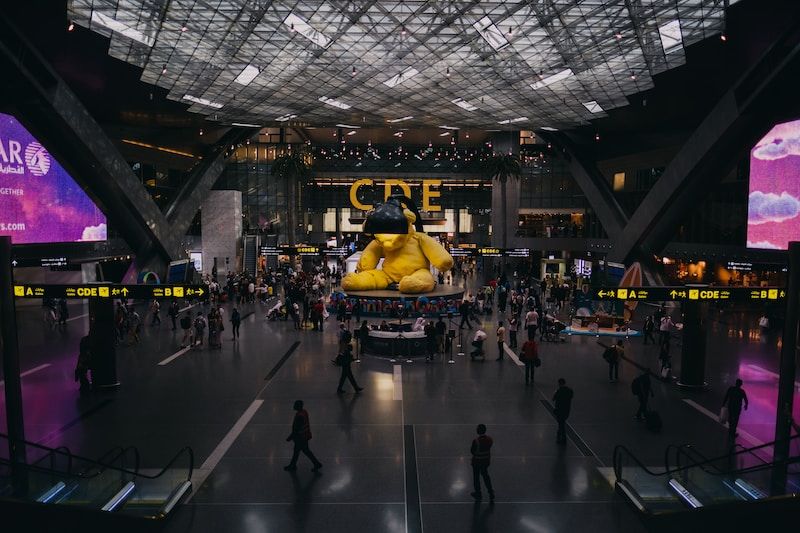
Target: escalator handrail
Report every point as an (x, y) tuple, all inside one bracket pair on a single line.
[(735, 454), (123, 450), (619, 449), (734, 472), (51, 454)]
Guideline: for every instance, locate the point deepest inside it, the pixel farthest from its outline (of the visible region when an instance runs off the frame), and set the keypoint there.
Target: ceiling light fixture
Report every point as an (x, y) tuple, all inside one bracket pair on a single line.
[(553, 78), (202, 101), (444, 134), (348, 126), (449, 127), (245, 125), (618, 36), (247, 75), (633, 76), (334, 103), (597, 137), (404, 76), (306, 30), (164, 69), (403, 31), (548, 128), (184, 29), (353, 72), (491, 33), (401, 119), (352, 132), (71, 26), (448, 72), (285, 118)]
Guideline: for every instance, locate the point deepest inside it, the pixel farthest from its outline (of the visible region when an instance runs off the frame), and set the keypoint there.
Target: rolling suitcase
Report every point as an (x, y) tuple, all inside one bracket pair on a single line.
[(652, 421)]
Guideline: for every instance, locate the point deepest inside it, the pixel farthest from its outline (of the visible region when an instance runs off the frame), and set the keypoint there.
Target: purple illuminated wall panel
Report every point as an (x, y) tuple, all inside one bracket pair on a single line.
[(39, 200), (774, 207)]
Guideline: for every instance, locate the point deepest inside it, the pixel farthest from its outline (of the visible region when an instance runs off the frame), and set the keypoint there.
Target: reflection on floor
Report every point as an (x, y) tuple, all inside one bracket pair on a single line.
[(414, 422)]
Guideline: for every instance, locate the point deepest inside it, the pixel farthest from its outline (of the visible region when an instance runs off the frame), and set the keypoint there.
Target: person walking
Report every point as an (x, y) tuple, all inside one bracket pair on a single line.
[(199, 328), (84, 363), (612, 356), (642, 389), (665, 327), (464, 310), (430, 341), (344, 360), (63, 312), (733, 400), (481, 459), (363, 336), (531, 322), (513, 324), (530, 356), (300, 435), (501, 340), (236, 321), (441, 334), (173, 312), (648, 328), (186, 326), (344, 337), (562, 402), (155, 309), (134, 327)]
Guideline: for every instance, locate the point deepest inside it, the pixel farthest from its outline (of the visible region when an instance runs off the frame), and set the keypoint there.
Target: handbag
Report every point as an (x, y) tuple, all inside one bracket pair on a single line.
[(537, 362), (723, 415), (665, 372)]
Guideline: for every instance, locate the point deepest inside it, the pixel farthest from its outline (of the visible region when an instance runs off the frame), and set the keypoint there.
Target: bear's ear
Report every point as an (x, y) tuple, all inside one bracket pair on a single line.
[(411, 219)]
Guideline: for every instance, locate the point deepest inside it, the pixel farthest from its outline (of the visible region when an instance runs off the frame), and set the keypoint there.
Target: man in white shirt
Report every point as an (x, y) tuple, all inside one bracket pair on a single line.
[(531, 323)]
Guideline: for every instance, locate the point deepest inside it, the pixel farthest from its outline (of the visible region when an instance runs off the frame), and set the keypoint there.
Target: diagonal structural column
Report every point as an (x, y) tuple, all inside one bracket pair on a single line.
[(51, 110), (202, 177), (741, 117), (593, 184)]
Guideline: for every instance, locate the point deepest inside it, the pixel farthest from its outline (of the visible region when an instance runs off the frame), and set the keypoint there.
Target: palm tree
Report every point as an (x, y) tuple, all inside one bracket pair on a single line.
[(502, 167), (294, 170)]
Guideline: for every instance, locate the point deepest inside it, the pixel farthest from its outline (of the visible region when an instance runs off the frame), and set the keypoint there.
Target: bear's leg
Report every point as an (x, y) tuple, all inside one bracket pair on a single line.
[(367, 280), (420, 281)]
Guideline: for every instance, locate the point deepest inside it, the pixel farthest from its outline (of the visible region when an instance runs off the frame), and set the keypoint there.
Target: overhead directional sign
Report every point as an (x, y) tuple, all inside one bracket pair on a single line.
[(663, 294), (145, 292)]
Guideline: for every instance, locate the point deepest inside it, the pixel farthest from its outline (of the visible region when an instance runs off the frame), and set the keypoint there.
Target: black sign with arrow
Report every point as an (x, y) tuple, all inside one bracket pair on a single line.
[(103, 291)]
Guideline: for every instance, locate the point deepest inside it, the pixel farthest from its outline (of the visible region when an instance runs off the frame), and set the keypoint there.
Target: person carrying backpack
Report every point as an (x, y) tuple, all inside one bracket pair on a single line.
[(199, 327), (641, 388)]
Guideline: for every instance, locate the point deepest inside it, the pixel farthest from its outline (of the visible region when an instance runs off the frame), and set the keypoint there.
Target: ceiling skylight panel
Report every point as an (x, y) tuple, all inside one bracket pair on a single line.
[(491, 33), (302, 27), (554, 78), (121, 28), (670, 33), (396, 80)]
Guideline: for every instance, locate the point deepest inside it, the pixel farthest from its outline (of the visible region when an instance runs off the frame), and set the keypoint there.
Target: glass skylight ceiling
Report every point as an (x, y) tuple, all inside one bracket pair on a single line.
[(538, 64)]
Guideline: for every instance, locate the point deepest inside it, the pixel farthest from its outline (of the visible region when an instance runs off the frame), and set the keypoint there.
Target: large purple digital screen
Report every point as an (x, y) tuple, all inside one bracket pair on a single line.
[(39, 201), (773, 217)]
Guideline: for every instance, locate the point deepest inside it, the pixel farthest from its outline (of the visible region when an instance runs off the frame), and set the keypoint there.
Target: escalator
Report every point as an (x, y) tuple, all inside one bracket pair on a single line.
[(693, 492), (61, 491)]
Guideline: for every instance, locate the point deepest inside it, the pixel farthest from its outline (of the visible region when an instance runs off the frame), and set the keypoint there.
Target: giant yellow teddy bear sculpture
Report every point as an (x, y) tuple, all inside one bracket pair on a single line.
[(406, 262)]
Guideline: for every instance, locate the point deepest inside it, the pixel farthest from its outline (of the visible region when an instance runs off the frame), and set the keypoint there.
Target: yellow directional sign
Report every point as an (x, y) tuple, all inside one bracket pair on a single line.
[(108, 291), (692, 293)]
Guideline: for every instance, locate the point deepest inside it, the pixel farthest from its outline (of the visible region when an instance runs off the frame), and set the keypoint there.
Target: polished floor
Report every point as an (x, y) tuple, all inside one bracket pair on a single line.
[(396, 456)]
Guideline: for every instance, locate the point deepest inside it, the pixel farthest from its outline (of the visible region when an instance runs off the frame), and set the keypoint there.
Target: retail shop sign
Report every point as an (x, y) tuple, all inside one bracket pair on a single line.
[(685, 293), (101, 292), (388, 187)]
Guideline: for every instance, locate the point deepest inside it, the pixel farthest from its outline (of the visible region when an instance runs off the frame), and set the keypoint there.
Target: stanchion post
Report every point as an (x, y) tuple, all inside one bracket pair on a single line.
[(8, 330), (787, 374)]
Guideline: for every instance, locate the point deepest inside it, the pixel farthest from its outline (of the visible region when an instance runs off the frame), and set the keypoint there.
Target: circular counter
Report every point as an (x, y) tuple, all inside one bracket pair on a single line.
[(443, 299), (396, 344)]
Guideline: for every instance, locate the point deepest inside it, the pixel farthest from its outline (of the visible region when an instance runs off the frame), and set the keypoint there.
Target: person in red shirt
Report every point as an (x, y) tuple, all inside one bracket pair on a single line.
[(301, 434), (481, 458), (530, 356)]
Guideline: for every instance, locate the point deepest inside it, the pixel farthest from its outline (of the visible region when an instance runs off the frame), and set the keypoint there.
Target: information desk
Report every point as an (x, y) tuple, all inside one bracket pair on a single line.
[(394, 344)]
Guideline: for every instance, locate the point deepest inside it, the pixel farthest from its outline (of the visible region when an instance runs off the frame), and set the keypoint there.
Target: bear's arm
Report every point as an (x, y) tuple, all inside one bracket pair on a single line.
[(435, 252), (370, 256)]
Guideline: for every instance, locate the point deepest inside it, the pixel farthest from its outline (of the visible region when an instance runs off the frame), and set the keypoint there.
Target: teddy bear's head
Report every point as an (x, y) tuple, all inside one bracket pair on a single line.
[(396, 241)]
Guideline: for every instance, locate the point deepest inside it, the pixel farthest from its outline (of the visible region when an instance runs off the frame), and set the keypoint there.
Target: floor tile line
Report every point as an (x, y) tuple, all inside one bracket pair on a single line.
[(278, 365), (224, 445), (413, 500), (174, 356), (512, 355), (715, 417), (28, 372), (397, 382), (572, 434)]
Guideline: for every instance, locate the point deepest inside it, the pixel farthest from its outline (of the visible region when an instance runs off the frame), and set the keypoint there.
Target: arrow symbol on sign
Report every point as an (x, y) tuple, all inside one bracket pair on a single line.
[(13, 262), (124, 291), (199, 292), (673, 293)]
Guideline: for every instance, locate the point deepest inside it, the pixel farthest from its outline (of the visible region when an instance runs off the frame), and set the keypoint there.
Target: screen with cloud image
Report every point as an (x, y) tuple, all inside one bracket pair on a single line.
[(774, 207), (39, 200)]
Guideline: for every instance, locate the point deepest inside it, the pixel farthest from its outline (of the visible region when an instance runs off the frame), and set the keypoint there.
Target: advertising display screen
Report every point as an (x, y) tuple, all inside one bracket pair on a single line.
[(39, 201), (773, 217)]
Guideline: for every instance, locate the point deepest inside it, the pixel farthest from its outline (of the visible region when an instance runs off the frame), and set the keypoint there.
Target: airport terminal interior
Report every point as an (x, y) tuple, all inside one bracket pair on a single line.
[(399, 266)]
